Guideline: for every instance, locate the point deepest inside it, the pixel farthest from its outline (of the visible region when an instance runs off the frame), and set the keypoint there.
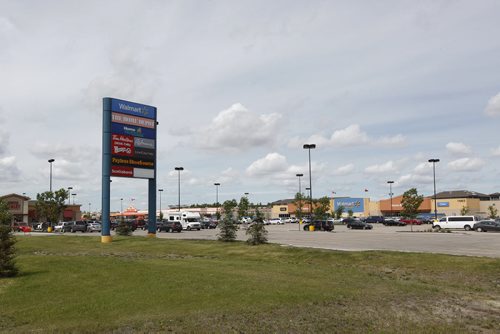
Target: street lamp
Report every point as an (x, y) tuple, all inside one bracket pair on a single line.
[(69, 194), (178, 169), (309, 147), (73, 198), (121, 205), (160, 191), (390, 192), (217, 184), (434, 173), (90, 216), (299, 176), (50, 162)]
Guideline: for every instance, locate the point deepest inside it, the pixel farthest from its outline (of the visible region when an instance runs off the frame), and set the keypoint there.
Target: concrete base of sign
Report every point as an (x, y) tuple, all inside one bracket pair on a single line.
[(151, 235), (106, 239)]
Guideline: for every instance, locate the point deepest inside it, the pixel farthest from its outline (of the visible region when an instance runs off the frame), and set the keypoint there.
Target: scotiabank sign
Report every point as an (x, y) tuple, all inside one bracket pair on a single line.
[(133, 139)]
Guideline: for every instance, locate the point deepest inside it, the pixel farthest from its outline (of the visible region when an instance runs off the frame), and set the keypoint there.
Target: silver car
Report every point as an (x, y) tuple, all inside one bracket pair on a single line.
[(93, 227)]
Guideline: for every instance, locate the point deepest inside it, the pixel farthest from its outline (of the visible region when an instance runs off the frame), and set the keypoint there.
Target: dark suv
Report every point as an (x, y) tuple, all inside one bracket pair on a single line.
[(169, 226), (320, 225), (374, 219), (72, 227)]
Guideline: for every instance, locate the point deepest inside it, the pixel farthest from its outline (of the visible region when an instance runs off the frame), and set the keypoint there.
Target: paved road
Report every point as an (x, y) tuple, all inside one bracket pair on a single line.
[(380, 238)]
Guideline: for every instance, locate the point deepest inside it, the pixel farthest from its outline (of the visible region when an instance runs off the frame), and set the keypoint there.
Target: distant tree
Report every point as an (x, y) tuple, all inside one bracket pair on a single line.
[(243, 207), (299, 203), (50, 205), (350, 213), (228, 226), (411, 202), (257, 231), (339, 211), (217, 215), (322, 208), (464, 211), (8, 266), (124, 228), (161, 216), (493, 212)]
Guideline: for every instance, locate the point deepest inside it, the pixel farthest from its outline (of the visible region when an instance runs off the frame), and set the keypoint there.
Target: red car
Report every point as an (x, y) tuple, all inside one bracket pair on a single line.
[(21, 227), (411, 221)]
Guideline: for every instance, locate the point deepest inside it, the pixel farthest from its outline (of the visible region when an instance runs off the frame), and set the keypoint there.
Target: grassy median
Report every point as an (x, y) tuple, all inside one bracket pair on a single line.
[(77, 284)]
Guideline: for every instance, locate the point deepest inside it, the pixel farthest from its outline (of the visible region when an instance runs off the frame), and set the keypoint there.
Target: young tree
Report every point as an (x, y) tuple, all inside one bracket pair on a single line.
[(50, 205), (411, 202), (493, 212), (124, 228), (257, 231), (464, 211), (322, 207), (228, 226), (350, 213), (8, 267), (299, 203), (339, 211), (243, 207)]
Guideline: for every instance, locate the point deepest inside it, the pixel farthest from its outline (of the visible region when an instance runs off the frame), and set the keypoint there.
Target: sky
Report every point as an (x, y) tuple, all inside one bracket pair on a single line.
[(380, 87)]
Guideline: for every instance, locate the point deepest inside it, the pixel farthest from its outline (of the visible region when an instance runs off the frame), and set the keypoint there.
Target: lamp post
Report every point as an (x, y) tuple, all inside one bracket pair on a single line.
[(90, 215), (390, 192), (50, 162), (69, 194), (299, 176), (310, 212), (178, 169), (73, 198), (121, 205), (434, 173), (160, 191), (217, 184), (309, 147)]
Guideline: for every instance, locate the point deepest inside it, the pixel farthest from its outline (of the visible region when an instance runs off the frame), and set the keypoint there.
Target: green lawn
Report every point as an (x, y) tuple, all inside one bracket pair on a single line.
[(77, 284)]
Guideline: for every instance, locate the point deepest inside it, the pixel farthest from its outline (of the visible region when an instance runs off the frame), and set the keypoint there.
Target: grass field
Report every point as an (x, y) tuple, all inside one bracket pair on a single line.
[(77, 284)]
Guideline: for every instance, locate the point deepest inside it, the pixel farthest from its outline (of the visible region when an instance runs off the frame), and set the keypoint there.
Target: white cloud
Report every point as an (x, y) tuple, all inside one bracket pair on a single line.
[(423, 168), (344, 170), (414, 180), (466, 164), (270, 164), (394, 141), (8, 169), (389, 166), (493, 107), (458, 148), (350, 136), (237, 129), (4, 141), (496, 151)]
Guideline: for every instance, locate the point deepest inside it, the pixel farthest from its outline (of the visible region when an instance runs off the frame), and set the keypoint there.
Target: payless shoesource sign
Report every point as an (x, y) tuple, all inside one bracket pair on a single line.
[(133, 139)]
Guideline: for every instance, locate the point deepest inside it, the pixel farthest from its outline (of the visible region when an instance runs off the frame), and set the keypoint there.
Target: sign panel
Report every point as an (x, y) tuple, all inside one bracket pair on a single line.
[(355, 204), (133, 139), (443, 204)]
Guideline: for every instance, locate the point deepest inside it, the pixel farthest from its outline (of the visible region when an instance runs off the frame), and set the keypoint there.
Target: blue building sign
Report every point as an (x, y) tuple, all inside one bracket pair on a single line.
[(443, 204), (357, 205)]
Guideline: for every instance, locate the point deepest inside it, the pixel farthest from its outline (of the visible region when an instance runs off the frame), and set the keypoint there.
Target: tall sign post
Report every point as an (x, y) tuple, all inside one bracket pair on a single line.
[(128, 150)]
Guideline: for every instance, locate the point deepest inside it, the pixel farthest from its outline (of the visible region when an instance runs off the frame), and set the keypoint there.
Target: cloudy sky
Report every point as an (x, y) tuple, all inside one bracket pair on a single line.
[(379, 86)]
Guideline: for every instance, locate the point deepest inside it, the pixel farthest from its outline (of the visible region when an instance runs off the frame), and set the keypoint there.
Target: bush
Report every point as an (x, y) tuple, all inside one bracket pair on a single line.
[(227, 226), (8, 266), (258, 234), (124, 229)]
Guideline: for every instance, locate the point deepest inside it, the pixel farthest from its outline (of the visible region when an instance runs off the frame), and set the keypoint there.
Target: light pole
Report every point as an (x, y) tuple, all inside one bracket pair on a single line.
[(310, 212), (309, 147), (121, 205), (69, 194), (50, 162), (434, 173), (217, 184), (73, 198), (160, 191), (299, 176), (90, 215), (390, 192), (178, 169)]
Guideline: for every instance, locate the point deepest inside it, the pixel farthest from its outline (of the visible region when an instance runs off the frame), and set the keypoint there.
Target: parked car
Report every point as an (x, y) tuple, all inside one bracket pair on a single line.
[(275, 221), (209, 224), (408, 221), (320, 225), (393, 222), (360, 225), (75, 226), (169, 226), (60, 226), (374, 219), (348, 221), (94, 227), (487, 225), (20, 227)]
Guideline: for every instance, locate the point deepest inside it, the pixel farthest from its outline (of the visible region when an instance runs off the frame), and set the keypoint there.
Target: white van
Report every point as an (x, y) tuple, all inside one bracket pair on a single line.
[(188, 220), (456, 222)]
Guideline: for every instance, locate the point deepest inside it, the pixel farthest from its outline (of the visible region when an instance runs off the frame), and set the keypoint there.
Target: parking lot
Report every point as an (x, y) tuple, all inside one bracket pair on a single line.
[(391, 238)]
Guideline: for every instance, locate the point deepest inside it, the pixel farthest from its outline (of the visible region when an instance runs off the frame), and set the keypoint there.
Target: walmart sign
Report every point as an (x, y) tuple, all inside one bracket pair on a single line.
[(354, 204)]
